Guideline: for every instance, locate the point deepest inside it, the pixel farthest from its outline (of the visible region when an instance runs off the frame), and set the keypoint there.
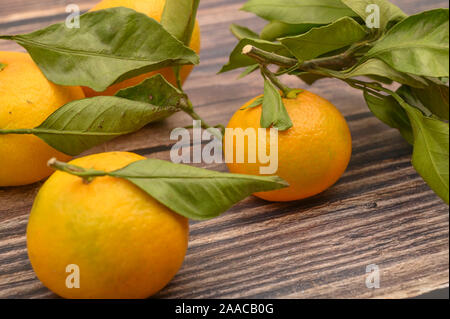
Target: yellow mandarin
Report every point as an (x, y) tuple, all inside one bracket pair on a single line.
[(125, 243), (27, 98), (312, 155)]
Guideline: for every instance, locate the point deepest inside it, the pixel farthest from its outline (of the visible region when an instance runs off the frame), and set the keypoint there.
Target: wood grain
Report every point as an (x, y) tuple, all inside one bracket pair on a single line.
[(380, 212)]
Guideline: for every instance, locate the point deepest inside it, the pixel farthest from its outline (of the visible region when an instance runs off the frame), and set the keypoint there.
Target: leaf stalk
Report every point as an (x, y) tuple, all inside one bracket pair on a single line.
[(87, 175), (273, 78), (212, 129), (16, 131)]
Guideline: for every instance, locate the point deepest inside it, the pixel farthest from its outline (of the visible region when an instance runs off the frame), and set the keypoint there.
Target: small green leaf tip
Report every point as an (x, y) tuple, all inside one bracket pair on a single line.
[(293, 93)]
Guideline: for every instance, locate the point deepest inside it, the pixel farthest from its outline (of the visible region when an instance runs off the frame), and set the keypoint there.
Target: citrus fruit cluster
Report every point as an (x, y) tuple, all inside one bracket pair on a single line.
[(28, 98), (125, 243)]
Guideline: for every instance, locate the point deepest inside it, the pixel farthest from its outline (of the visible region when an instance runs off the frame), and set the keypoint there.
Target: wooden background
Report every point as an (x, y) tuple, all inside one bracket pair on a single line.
[(381, 212)]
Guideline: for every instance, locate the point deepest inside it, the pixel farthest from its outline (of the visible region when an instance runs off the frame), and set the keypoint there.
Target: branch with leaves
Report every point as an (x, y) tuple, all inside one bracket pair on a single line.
[(313, 40), (219, 191), (89, 57)]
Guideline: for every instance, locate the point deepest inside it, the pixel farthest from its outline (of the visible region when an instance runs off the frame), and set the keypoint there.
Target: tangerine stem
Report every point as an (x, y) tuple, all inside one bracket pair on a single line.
[(273, 78), (86, 174), (338, 61), (265, 57)]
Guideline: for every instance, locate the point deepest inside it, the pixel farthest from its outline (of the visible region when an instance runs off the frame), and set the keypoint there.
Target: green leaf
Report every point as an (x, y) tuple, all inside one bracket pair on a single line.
[(257, 102), (273, 109), (389, 111), (250, 69), (431, 150), (241, 32), (276, 29), (318, 41), (179, 18), (156, 91), (388, 11), (195, 193), (435, 97), (2, 66), (299, 11), (239, 60), (419, 45), (110, 46), (309, 78), (376, 67), (408, 95), (82, 124)]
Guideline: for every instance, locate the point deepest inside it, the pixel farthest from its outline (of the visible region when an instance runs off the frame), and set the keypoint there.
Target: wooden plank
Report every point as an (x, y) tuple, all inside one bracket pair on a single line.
[(380, 212)]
